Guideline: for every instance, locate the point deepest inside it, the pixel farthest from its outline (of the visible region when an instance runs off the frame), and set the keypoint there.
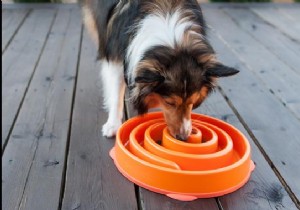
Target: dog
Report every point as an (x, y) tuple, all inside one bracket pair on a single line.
[(159, 49)]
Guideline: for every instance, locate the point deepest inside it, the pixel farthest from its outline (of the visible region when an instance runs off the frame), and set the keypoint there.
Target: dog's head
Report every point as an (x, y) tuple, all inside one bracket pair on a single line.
[(177, 81)]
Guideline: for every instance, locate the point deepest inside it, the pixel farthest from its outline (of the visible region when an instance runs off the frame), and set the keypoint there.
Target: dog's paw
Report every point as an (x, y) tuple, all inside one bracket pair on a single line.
[(110, 129)]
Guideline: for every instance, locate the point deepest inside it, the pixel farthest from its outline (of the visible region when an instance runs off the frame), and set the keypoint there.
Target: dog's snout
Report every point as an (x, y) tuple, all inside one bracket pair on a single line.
[(182, 131), (181, 137), (180, 134)]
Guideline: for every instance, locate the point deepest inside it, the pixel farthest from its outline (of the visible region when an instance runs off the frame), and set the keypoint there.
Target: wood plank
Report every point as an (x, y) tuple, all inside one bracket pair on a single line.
[(152, 201), (263, 190), (292, 13), (33, 161), (280, 20), (11, 22), (38, 5), (267, 119), (6, 17), (270, 37), (276, 75), (92, 180), (20, 59)]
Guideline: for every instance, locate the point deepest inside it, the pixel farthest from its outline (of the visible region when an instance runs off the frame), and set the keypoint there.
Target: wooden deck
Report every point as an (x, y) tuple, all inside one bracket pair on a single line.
[(54, 156)]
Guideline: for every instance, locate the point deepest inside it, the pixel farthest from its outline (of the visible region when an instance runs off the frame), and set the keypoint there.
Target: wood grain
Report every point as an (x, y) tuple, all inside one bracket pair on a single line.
[(263, 190), (273, 73), (56, 157), (92, 180), (282, 46), (33, 161), (11, 22), (273, 126), (291, 13), (19, 63), (281, 21), (152, 201)]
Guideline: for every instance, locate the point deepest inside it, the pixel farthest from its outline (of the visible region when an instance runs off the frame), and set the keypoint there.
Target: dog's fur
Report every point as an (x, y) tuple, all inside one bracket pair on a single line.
[(159, 49)]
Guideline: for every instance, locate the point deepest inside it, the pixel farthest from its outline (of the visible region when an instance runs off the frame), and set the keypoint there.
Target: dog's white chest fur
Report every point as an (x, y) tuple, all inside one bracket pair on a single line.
[(155, 30)]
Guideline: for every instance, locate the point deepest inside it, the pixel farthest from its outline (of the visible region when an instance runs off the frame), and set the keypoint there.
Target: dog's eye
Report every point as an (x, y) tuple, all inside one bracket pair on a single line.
[(172, 104)]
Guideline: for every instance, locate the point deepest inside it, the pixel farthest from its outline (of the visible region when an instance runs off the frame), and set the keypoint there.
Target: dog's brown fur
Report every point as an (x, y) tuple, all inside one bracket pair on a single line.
[(176, 78)]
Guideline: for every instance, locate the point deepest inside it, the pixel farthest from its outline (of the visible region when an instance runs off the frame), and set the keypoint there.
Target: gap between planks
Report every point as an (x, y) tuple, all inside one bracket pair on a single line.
[(16, 30), (268, 159), (5, 141), (261, 149), (63, 181)]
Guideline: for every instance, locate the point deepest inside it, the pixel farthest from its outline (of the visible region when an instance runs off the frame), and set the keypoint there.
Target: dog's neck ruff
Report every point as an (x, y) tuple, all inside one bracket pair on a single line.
[(155, 30)]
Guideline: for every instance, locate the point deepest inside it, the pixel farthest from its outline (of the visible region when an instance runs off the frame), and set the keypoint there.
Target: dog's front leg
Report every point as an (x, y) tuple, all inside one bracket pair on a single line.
[(112, 74)]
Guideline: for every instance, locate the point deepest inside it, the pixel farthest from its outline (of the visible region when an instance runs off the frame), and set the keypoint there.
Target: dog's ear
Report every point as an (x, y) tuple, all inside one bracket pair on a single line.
[(148, 76), (220, 70), (146, 80)]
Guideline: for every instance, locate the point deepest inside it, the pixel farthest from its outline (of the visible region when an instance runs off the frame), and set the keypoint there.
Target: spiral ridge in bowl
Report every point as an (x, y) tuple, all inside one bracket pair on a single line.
[(215, 160)]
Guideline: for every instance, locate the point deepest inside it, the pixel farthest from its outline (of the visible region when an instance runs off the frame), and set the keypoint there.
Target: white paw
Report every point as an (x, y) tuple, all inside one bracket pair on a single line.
[(110, 129)]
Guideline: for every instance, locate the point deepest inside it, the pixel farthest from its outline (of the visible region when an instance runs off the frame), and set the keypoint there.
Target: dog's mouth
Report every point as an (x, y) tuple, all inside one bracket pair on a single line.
[(178, 137), (194, 131)]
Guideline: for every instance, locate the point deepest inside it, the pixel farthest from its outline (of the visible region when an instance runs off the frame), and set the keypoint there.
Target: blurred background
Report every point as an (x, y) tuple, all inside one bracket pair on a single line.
[(201, 1), (39, 1)]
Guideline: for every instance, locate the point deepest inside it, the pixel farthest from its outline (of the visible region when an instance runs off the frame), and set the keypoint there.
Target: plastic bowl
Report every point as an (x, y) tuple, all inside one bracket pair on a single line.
[(214, 161)]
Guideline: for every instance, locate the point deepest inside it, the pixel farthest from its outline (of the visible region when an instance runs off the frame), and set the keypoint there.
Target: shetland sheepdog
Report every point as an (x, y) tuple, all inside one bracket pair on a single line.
[(159, 49)]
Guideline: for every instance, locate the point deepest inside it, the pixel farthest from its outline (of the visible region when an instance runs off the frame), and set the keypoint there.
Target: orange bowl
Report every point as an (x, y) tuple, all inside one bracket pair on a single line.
[(215, 160)]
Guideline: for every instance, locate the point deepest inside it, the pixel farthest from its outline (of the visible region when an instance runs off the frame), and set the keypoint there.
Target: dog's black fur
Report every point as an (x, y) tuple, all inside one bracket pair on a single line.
[(176, 78)]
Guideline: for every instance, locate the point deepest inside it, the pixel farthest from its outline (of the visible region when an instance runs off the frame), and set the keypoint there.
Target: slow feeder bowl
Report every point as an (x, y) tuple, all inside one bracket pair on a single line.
[(214, 161)]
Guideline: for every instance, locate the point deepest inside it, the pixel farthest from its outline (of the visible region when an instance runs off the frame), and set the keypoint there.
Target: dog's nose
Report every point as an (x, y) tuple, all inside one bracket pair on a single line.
[(181, 137)]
